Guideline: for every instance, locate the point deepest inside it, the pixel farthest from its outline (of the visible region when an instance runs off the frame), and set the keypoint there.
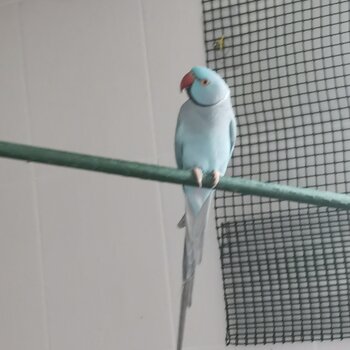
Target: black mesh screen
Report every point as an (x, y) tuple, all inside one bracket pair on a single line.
[(285, 265)]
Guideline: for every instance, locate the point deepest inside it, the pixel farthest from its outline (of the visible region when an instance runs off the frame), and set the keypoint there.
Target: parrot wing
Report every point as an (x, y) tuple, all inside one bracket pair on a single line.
[(178, 143), (233, 133)]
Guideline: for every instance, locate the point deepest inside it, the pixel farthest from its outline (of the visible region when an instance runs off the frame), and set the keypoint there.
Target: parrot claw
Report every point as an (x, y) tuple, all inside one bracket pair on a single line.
[(216, 178), (198, 174)]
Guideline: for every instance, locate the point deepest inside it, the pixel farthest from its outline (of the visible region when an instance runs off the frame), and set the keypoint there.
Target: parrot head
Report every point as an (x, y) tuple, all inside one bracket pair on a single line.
[(204, 86)]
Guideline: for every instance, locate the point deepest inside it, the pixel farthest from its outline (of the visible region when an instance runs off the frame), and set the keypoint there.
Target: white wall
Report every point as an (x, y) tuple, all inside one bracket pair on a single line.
[(91, 261)]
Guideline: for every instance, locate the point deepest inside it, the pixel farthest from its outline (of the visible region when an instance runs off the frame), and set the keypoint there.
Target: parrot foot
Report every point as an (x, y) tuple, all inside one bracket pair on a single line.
[(198, 174), (215, 178)]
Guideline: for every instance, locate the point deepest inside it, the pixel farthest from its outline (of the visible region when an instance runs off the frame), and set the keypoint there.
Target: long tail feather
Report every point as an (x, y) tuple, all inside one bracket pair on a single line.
[(182, 222), (193, 250), (186, 300)]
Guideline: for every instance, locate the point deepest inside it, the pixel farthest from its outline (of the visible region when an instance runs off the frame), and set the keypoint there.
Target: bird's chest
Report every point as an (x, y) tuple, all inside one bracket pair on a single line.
[(206, 140)]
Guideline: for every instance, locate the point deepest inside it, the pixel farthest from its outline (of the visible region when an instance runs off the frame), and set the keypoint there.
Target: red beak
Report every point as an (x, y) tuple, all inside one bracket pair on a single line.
[(187, 81)]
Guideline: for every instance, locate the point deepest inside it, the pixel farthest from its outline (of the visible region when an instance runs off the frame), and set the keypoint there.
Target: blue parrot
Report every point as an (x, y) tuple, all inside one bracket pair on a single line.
[(204, 141)]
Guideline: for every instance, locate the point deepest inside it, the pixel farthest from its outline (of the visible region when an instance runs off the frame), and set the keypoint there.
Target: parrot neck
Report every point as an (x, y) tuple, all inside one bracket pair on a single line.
[(217, 104)]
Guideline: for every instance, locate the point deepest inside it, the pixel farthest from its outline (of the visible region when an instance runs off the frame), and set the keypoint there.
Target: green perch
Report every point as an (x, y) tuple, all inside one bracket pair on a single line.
[(171, 175)]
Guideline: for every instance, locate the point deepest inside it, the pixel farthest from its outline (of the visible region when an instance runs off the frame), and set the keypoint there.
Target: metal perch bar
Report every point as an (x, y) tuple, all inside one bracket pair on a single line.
[(172, 175)]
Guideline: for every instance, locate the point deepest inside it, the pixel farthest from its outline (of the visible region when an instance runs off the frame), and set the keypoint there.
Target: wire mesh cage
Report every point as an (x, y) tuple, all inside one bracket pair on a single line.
[(285, 265)]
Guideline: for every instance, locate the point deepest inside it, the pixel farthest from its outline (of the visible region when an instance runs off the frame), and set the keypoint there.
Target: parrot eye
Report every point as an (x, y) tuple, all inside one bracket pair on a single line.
[(204, 82)]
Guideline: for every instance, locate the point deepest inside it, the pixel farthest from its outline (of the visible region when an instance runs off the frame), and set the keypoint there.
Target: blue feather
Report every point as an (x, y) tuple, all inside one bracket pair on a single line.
[(204, 138)]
